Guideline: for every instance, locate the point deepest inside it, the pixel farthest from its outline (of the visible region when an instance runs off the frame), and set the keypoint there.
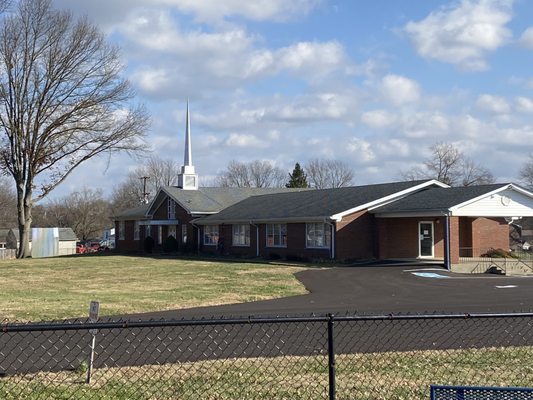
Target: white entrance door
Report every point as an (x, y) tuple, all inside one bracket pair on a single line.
[(425, 239)]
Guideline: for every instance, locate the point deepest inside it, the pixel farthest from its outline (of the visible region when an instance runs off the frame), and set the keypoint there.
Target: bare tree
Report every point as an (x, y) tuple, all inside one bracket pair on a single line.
[(324, 174), (526, 173), (253, 174), (63, 102), (85, 211), (130, 193), (8, 204), (449, 165)]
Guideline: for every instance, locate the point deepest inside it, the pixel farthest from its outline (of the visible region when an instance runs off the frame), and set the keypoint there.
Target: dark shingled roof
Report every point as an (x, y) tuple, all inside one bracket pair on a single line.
[(133, 213), (311, 204), (437, 199), (215, 199)]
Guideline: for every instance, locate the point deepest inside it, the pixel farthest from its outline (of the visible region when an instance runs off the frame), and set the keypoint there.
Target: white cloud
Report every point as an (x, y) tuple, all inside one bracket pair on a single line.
[(526, 39), (109, 13), (524, 104), (400, 90), (493, 104), (168, 57), (463, 34), (378, 119), (245, 140), (257, 10), (362, 149)]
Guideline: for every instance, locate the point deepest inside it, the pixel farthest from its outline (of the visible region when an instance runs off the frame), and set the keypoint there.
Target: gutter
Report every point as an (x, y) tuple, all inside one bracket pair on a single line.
[(256, 238)]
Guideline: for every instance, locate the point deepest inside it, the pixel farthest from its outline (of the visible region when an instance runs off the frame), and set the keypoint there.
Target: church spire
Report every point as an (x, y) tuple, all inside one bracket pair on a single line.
[(187, 179), (187, 161)]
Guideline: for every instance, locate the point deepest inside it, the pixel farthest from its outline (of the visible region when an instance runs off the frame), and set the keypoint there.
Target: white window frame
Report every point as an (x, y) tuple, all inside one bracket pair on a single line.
[(171, 208), (121, 230), (276, 230), (317, 227), (172, 231), (136, 230), (432, 239), (184, 232), (211, 235), (240, 236)]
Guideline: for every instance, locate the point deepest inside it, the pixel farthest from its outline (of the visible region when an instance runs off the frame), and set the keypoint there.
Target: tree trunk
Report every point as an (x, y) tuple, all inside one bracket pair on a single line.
[(24, 221)]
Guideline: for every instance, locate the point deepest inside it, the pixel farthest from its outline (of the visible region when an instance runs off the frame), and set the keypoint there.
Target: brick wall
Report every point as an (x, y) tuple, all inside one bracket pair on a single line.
[(398, 237), (489, 233), (356, 236)]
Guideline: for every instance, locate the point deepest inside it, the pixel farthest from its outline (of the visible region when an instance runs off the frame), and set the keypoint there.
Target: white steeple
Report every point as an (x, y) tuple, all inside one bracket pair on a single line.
[(187, 179)]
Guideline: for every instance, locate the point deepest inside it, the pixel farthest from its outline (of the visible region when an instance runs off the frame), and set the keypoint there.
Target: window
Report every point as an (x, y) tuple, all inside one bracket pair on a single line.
[(171, 208), (159, 234), (147, 231), (121, 230), (317, 235), (276, 235), (184, 233), (241, 235), (136, 231), (172, 231), (211, 235)]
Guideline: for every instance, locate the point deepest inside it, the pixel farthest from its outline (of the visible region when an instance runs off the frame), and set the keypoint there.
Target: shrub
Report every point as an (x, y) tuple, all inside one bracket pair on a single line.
[(274, 256), (498, 253), (149, 244), (170, 245)]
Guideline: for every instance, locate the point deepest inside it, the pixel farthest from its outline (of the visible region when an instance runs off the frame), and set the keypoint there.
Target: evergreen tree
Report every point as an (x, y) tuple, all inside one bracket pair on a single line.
[(298, 179)]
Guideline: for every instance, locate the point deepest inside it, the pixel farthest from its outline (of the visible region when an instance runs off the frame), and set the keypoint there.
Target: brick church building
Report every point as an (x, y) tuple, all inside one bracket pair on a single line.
[(425, 220)]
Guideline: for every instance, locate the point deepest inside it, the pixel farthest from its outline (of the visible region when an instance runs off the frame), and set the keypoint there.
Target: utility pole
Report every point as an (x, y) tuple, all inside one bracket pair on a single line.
[(145, 193)]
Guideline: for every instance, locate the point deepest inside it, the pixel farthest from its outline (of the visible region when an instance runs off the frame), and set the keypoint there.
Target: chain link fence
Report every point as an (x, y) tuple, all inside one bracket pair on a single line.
[(312, 357)]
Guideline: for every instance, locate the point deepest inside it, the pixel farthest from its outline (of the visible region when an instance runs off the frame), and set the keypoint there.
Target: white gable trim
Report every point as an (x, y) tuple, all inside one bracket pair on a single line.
[(491, 204), (387, 199)]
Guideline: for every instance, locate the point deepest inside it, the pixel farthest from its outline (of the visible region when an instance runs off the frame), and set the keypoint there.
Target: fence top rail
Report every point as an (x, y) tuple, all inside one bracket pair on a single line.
[(76, 325)]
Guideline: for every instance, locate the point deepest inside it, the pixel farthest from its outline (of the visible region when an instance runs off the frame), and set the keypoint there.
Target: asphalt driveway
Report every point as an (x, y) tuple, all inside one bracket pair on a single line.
[(384, 289)]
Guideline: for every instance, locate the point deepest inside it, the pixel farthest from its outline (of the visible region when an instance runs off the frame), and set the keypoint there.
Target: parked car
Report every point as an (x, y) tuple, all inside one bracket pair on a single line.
[(80, 248)]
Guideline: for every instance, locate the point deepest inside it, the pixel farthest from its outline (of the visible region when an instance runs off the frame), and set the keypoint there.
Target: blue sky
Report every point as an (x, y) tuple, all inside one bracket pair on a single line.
[(372, 83)]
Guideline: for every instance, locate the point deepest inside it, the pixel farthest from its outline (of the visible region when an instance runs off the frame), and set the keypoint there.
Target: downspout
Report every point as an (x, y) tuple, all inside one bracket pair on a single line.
[(256, 238), (198, 235), (332, 248), (447, 251)]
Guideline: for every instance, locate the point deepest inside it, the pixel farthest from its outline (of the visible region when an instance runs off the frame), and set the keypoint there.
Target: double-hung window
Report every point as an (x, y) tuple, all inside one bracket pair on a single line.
[(317, 235), (241, 235), (211, 235), (276, 235)]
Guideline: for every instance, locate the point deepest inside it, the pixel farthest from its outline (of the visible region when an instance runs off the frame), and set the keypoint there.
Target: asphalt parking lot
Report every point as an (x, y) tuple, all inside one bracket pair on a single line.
[(385, 289)]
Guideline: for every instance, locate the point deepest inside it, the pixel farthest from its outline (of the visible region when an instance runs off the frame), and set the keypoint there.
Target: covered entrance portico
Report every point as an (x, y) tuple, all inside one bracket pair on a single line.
[(460, 226)]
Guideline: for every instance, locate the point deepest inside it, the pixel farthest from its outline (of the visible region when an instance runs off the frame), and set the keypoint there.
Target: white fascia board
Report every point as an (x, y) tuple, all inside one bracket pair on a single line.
[(501, 189), (388, 199)]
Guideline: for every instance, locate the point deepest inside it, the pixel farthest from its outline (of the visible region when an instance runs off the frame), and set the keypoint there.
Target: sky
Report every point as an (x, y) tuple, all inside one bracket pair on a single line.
[(371, 83)]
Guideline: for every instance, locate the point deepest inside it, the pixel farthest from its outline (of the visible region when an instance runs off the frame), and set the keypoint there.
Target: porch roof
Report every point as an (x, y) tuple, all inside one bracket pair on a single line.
[(439, 201)]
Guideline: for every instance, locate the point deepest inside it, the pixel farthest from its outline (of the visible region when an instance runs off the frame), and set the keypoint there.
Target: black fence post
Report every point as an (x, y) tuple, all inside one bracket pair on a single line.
[(331, 358)]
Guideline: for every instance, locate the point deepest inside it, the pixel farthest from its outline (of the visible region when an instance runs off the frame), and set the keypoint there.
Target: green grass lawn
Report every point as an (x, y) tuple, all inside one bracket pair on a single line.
[(62, 287), (373, 376)]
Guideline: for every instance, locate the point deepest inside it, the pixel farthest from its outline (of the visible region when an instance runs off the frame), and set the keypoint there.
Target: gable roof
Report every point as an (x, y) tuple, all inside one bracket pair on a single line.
[(65, 234), (133, 213), (439, 200), (313, 205), (209, 200)]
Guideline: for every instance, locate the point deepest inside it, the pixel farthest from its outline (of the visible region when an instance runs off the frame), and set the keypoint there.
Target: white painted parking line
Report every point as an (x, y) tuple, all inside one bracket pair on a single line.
[(506, 286)]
